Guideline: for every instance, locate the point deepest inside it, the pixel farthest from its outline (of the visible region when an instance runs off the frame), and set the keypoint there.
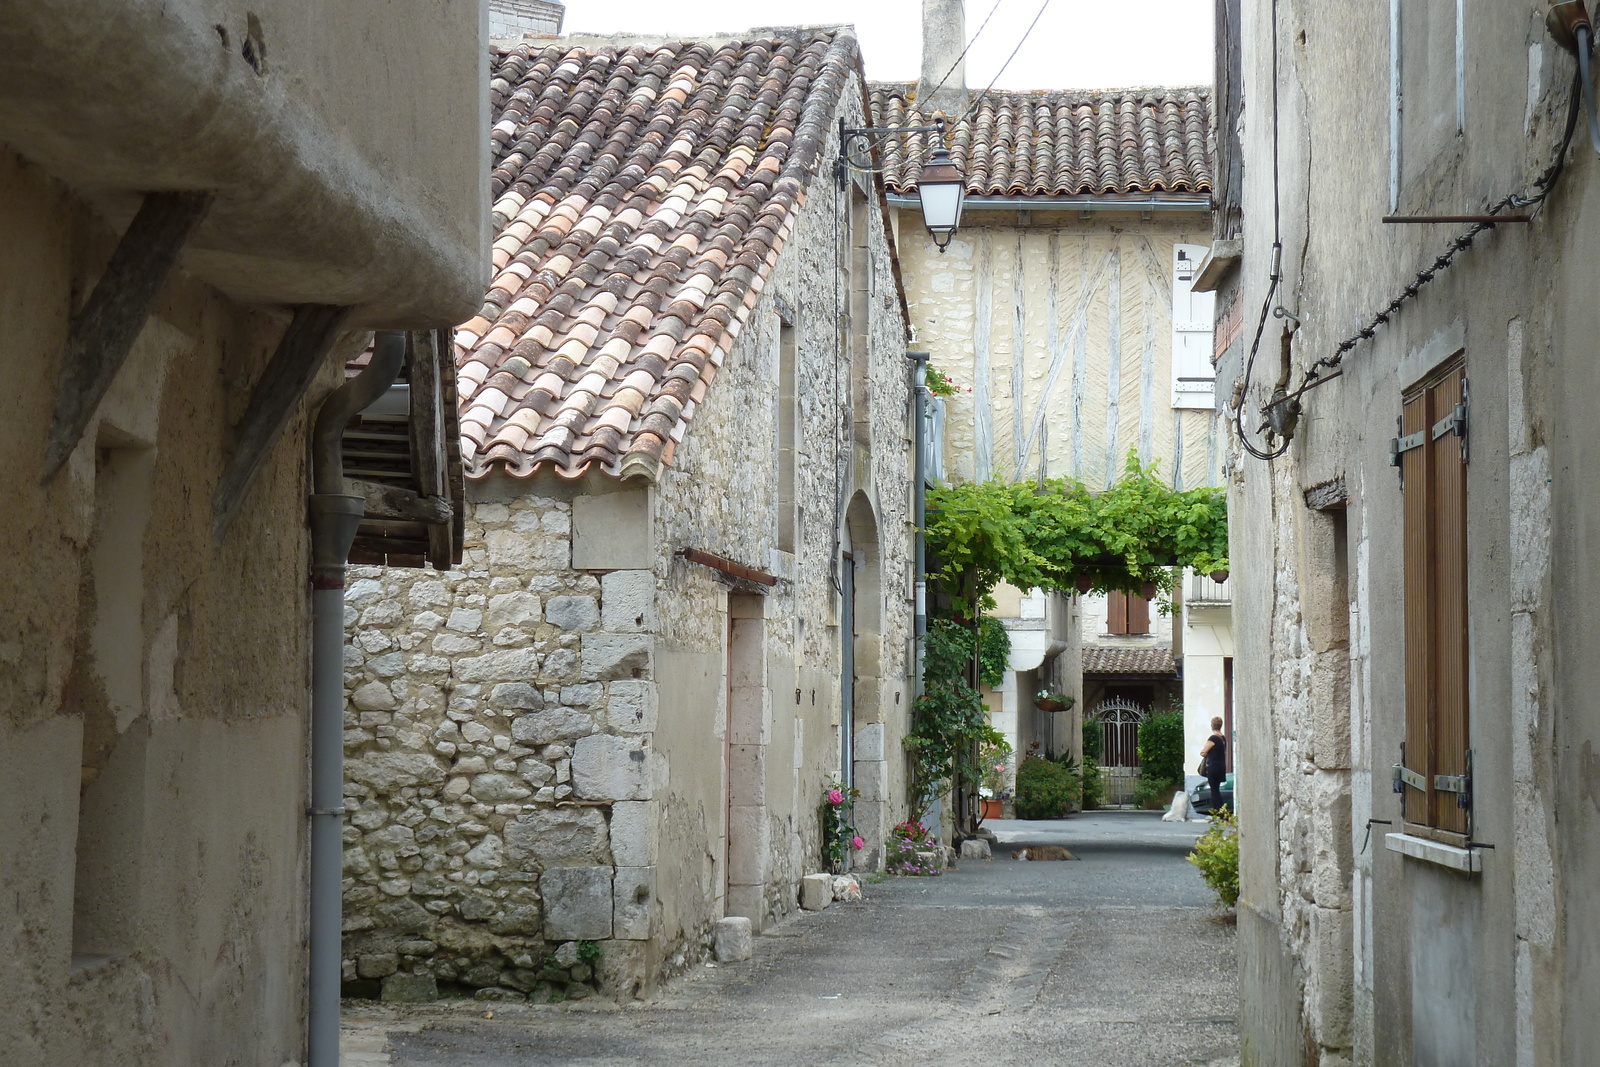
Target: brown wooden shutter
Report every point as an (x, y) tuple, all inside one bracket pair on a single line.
[(1418, 600), (1116, 612), (1433, 472), (1138, 615)]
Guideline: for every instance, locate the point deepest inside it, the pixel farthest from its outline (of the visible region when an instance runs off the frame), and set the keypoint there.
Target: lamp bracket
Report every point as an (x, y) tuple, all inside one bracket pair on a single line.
[(852, 138)]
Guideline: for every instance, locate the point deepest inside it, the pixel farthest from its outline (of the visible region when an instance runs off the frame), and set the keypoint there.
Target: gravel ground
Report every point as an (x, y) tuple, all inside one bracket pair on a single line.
[(1117, 960)]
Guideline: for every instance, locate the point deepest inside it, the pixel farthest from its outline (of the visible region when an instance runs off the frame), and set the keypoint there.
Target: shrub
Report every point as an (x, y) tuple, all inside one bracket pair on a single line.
[(1161, 746), (1094, 787), (1150, 792), (1094, 738), (1216, 853), (1045, 789)]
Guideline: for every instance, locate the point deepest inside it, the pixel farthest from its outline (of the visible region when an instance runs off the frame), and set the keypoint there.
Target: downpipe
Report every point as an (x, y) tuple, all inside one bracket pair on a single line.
[(334, 515), (919, 516)]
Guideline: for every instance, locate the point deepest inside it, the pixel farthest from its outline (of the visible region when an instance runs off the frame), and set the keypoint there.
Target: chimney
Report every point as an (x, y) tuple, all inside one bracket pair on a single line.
[(944, 35)]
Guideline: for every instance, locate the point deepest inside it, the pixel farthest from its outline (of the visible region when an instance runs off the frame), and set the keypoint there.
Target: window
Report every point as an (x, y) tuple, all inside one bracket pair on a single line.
[(1127, 614), (1432, 455)]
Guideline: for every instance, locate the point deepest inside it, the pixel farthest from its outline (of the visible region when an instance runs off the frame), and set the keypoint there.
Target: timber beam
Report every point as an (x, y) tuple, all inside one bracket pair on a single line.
[(273, 402), (103, 332), (397, 502)]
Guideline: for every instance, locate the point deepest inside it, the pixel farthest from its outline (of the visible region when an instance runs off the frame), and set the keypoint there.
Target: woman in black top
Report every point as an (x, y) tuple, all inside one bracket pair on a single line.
[(1215, 754)]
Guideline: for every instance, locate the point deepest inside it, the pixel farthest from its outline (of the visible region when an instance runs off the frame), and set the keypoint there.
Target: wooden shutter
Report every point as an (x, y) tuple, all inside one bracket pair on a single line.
[(1138, 615), (1433, 469), (1116, 612)]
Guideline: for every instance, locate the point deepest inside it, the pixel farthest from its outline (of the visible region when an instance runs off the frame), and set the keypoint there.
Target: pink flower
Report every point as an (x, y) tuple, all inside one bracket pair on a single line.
[(857, 844), (999, 766), (835, 797)]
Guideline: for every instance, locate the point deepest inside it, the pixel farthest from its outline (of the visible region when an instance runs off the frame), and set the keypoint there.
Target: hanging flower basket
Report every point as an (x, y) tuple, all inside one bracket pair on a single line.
[(1046, 700)]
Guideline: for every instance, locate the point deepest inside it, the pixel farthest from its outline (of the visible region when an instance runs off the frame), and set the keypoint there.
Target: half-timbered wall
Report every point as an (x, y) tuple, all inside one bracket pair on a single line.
[(1062, 330)]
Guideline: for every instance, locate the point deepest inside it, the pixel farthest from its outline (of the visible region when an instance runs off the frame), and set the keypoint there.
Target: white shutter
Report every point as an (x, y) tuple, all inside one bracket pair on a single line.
[(1192, 323)]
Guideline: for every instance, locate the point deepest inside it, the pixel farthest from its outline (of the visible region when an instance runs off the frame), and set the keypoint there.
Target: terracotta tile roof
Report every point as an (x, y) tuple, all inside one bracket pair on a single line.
[(642, 195), (1129, 661), (1102, 142)]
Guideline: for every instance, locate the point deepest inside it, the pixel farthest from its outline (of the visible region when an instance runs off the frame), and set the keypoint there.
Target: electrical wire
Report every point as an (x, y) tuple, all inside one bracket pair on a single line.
[(973, 108), (1271, 452), (1536, 193)]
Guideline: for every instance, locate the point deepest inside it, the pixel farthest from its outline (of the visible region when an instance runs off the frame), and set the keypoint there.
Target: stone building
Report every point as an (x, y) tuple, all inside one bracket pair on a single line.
[(1063, 310), (197, 205), (1414, 601), (515, 19), (683, 608)]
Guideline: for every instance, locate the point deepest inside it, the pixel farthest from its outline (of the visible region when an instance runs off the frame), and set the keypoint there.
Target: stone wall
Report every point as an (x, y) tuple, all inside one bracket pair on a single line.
[(581, 737), (498, 758)]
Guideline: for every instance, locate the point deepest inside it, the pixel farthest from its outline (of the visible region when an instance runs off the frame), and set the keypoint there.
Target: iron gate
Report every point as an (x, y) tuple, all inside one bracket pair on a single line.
[(1119, 720)]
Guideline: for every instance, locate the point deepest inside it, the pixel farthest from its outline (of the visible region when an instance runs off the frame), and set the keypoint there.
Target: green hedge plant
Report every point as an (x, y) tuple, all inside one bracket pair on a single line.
[(1045, 789), (1216, 853)]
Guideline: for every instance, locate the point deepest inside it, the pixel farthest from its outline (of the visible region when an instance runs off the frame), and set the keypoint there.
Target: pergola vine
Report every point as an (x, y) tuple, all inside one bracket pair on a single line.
[(1055, 535)]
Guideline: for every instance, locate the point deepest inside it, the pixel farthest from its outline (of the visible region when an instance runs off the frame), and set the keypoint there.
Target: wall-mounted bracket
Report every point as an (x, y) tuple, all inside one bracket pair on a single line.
[(273, 402), (103, 332)]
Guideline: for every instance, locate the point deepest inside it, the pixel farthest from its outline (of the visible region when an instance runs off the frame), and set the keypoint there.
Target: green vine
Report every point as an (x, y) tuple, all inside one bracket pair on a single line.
[(1060, 536)]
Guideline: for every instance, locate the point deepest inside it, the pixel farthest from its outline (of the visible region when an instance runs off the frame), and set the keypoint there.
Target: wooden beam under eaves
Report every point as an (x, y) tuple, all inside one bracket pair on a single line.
[(428, 439), (103, 332), (277, 394)]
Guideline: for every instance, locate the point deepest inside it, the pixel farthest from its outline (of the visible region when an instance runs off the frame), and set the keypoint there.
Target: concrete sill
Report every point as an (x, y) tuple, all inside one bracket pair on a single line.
[(1469, 860)]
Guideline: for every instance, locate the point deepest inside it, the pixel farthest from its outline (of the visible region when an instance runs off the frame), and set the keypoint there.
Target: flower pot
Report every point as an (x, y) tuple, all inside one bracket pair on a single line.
[(989, 808), (1049, 705), (1084, 583), (1219, 576)]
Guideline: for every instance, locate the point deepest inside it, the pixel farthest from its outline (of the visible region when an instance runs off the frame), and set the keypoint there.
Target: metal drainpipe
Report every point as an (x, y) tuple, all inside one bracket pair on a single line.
[(335, 515), (919, 508)]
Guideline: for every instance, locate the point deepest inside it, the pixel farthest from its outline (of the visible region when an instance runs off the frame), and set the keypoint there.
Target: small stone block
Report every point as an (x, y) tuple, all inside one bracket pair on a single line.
[(816, 891), (733, 938), (976, 848), (410, 989), (846, 887)]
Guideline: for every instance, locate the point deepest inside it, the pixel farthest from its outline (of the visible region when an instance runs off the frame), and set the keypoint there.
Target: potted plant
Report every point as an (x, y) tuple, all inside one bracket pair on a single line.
[(993, 759), (1050, 700)]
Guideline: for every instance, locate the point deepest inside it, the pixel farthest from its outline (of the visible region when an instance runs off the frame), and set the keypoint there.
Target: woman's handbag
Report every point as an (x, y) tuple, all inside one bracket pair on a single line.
[(1201, 770)]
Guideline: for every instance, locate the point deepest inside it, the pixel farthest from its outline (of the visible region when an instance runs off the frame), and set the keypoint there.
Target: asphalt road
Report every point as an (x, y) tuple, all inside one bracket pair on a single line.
[(1117, 959)]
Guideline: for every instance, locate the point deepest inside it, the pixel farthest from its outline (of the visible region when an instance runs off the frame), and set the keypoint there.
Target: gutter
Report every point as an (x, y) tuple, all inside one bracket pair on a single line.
[(1187, 204), (335, 515)]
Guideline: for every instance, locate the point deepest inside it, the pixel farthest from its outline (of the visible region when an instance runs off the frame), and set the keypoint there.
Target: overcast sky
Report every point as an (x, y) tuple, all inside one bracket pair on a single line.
[(1078, 44)]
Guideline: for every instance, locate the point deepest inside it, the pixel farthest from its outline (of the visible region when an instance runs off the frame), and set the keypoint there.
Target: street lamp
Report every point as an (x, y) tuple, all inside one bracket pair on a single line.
[(943, 189), (940, 186)]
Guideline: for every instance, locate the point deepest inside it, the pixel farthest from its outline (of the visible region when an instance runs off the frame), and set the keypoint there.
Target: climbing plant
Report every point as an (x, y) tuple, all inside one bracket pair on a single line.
[(951, 721), (1059, 536)]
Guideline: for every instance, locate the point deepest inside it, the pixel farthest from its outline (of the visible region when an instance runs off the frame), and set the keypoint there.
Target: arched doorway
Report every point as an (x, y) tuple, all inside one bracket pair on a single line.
[(861, 732)]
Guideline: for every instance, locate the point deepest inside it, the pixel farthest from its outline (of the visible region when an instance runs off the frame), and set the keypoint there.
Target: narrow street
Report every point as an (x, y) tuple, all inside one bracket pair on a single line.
[(1118, 959)]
